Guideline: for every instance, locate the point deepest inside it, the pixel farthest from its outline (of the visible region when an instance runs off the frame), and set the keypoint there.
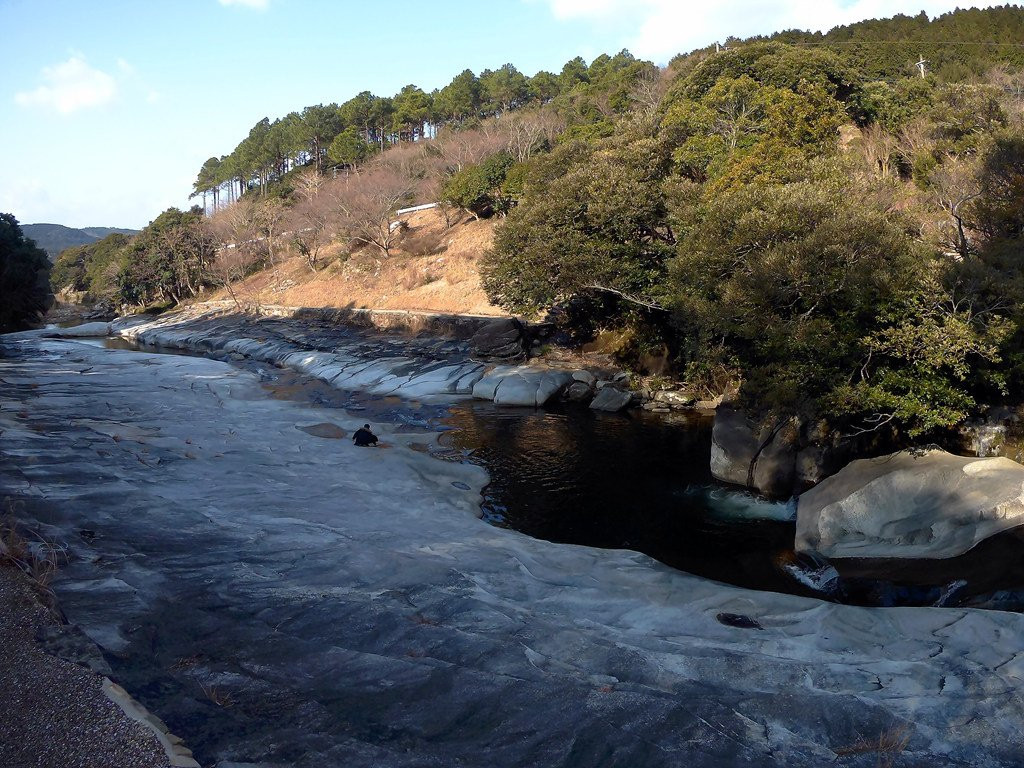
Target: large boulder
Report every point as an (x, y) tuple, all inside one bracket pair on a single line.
[(762, 458), (501, 339), (611, 399), (521, 385), (911, 505), (85, 330), (578, 392)]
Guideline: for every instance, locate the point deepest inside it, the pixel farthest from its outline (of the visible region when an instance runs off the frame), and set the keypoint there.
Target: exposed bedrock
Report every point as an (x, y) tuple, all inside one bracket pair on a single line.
[(346, 606), (502, 339), (928, 504), (351, 359), (759, 457), (781, 458)]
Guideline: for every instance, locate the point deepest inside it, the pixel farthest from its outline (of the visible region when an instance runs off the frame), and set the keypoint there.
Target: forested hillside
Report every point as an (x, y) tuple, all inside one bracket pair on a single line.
[(824, 222), (54, 238)]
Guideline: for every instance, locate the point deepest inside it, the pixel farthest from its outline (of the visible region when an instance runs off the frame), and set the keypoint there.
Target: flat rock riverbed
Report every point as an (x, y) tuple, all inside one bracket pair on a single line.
[(280, 597)]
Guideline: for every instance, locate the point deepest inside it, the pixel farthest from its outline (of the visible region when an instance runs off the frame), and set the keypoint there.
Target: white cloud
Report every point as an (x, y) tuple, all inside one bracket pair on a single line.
[(258, 4), (70, 86), (659, 29)]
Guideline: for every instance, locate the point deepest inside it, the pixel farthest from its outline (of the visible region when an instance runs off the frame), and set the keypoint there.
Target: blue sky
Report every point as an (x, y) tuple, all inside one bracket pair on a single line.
[(109, 107)]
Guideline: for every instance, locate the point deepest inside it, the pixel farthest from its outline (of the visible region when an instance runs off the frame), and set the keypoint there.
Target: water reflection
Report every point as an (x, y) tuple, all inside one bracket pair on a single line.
[(632, 481)]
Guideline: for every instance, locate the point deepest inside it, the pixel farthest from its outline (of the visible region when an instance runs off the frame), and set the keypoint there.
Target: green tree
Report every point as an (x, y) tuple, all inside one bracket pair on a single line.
[(478, 188), (317, 127), (591, 222), (504, 89), (348, 147), (24, 278), (460, 100), (168, 261), (543, 87), (91, 268), (411, 112), (574, 72)]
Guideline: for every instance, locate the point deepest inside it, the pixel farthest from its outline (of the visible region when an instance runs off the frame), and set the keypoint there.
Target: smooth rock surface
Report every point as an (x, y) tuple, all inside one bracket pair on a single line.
[(84, 330), (611, 399), (521, 385), (280, 599), (345, 358), (909, 505)]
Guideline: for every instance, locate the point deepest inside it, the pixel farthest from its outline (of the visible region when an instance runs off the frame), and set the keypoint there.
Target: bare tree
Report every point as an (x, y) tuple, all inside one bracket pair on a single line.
[(268, 216), (953, 184), (528, 130), (461, 148), (366, 203), (1011, 87), (309, 183), (881, 149), (241, 250), (311, 220), (649, 90), (915, 140)]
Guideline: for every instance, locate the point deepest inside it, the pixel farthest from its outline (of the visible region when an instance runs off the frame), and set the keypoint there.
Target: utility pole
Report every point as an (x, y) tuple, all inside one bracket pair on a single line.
[(920, 64)]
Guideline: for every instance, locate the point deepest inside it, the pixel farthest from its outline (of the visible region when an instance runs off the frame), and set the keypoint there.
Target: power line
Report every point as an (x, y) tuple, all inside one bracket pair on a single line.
[(920, 43)]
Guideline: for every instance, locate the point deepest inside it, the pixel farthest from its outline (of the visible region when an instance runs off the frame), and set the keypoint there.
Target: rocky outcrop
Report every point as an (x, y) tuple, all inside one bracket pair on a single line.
[(85, 330), (611, 399), (911, 505), (288, 570), (779, 459), (578, 392), (521, 385), (501, 340), (759, 457)]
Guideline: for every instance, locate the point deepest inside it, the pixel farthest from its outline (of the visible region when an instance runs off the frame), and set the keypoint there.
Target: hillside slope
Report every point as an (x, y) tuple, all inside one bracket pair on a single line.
[(433, 269), (54, 238)]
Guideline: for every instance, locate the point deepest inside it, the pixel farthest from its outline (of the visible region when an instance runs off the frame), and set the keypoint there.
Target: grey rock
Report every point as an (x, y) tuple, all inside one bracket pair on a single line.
[(354, 607), (85, 330), (578, 392), (611, 399), (528, 387), (675, 400), (501, 339), (744, 454), (911, 505), (585, 377), (517, 389)]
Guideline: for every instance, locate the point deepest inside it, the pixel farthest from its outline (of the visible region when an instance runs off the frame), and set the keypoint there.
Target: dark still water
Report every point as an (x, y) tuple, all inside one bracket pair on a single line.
[(626, 481)]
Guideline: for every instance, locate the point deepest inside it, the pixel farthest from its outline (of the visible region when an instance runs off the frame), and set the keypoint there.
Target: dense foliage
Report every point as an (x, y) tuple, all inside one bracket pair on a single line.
[(24, 269), (588, 98), (838, 234), (169, 260)]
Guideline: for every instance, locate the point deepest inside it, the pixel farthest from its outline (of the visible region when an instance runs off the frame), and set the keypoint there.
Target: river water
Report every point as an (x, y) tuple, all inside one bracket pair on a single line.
[(636, 481)]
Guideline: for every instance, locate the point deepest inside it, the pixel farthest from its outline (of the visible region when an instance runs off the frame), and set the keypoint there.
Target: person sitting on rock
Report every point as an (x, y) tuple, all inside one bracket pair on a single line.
[(364, 437)]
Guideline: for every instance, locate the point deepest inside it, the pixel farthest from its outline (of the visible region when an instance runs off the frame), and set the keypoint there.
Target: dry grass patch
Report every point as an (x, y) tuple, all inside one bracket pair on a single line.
[(432, 268), (32, 554)]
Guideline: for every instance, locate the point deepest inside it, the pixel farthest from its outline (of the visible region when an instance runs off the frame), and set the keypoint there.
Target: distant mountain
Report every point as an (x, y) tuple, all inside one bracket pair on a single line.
[(54, 238)]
